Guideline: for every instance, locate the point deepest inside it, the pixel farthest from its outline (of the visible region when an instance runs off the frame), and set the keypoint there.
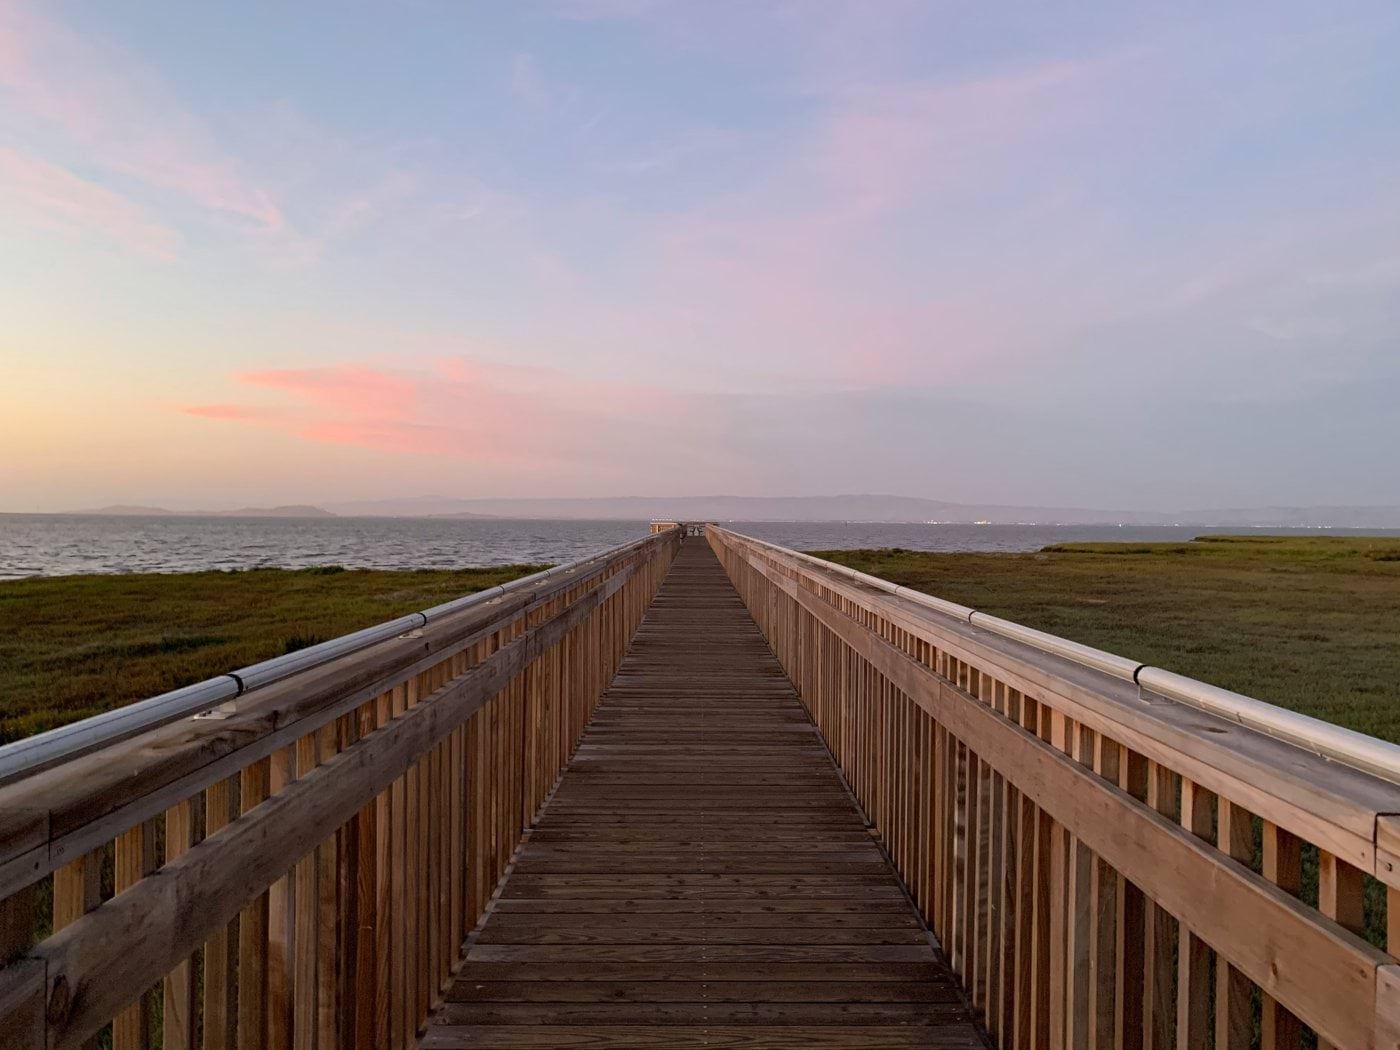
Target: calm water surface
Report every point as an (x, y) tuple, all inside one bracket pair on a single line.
[(63, 544)]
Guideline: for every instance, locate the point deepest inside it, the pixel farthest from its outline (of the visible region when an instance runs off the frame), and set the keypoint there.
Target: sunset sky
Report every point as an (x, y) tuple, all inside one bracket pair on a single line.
[(1129, 255)]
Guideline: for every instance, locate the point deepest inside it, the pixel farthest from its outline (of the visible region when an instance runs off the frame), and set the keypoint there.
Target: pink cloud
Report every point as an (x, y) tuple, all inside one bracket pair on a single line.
[(102, 101), (885, 144), (465, 409), (53, 198), (232, 413), (816, 267), (350, 389)]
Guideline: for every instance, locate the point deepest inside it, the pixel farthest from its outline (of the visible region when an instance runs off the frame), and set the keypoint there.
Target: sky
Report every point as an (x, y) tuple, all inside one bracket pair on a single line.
[(1136, 256)]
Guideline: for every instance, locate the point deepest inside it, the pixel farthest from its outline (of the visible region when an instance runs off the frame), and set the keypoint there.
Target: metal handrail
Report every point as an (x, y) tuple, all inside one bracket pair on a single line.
[(43, 750), (1369, 754)]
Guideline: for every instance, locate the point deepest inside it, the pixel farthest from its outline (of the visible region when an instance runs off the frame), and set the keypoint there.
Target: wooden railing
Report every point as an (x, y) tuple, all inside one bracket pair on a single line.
[(1103, 867), (302, 871)]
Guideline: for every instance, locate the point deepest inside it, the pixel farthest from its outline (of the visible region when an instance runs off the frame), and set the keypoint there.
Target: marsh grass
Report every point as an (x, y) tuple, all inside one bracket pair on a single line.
[(74, 646), (1308, 623)]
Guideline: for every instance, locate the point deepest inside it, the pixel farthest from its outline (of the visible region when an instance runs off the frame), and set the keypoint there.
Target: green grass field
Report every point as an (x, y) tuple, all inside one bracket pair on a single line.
[(74, 646), (1312, 624), (1309, 623)]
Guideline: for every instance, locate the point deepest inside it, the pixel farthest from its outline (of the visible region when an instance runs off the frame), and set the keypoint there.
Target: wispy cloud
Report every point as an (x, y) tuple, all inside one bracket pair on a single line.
[(106, 104), (45, 195), (235, 413), (462, 408), (792, 266)]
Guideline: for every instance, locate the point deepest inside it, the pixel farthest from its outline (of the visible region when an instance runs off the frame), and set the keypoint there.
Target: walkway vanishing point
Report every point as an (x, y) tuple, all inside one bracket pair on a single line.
[(699, 791), (701, 876)]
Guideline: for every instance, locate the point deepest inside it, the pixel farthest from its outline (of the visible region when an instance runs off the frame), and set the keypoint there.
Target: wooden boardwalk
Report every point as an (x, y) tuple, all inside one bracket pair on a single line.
[(701, 877)]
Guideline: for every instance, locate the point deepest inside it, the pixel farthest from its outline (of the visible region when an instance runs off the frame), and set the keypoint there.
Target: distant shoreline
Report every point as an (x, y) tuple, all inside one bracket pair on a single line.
[(60, 545), (849, 508), (317, 513)]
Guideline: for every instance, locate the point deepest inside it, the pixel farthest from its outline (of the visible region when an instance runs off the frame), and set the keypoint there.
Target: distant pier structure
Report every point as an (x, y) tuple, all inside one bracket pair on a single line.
[(688, 528)]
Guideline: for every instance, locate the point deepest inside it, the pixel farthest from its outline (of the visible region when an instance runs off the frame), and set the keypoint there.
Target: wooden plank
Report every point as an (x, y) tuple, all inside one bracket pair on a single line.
[(304, 879), (1234, 1010), (642, 909), (87, 802), (221, 946), (1283, 866), (254, 784), (134, 857), (280, 930), (1242, 919), (178, 1008), (227, 871), (1340, 897), (1334, 807), (1193, 959)]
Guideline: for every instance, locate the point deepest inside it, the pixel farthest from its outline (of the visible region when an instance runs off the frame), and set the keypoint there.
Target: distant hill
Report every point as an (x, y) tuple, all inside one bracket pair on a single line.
[(289, 511), (870, 508), (410, 507), (855, 508), (127, 510)]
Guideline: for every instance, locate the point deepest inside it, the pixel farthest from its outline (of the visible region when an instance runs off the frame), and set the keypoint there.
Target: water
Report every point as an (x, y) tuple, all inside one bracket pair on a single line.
[(61, 544)]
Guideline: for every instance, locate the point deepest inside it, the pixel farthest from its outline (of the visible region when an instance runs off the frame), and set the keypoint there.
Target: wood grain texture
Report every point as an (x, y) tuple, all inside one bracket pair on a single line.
[(1125, 792), (701, 877)]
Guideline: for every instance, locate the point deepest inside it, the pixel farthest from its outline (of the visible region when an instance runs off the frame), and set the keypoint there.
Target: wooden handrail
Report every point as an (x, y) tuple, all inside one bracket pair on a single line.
[(1101, 869), (314, 861)]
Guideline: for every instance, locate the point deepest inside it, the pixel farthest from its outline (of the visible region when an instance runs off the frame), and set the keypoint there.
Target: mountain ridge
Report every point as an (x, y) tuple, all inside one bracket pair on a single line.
[(126, 510), (839, 508)]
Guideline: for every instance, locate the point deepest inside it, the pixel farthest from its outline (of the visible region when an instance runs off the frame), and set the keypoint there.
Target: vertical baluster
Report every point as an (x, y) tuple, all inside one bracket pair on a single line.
[(1392, 921), (134, 859), (401, 934), (974, 900), (77, 890), (177, 1015), (1061, 734), (958, 940), (998, 848), (252, 932), (305, 896), (221, 949), (1130, 952), (1234, 1010), (326, 906), (1079, 913), (1041, 962), (1103, 937), (280, 934), (1159, 974), (1340, 896), (362, 986), (384, 898), (430, 931), (1193, 957), (1283, 866)]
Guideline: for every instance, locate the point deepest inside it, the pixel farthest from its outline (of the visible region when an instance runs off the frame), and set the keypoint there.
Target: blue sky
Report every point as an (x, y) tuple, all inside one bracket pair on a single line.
[(1131, 256)]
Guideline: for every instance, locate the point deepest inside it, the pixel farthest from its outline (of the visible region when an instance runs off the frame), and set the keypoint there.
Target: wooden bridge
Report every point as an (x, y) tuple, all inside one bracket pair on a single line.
[(701, 876), (705, 792)]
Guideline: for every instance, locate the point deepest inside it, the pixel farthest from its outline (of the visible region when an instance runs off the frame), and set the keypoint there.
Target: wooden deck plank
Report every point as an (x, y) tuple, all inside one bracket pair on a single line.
[(701, 876)]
